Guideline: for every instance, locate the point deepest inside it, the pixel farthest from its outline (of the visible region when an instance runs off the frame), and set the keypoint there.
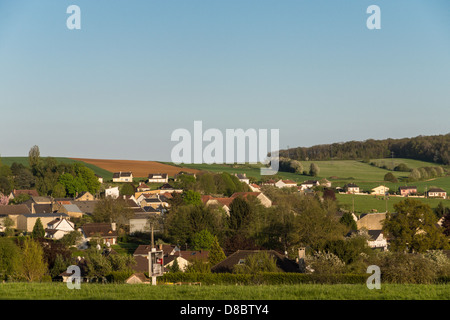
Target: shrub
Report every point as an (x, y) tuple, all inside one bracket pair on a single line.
[(119, 276), (324, 263), (402, 167), (390, 177), (400, 267), (267, 278)]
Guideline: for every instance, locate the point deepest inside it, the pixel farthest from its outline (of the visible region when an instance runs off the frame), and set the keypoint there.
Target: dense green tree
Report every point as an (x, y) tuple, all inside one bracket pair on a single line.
[(186, 182), (413, 228), (87, 178), (33, 266), (175, 267), (206, 183), (112, 210), (34, 158), (71, 238), (38, 229), (127, 189), (216, 253), (191, 197), (425, 148), (59, 191), (240, 215), (314, 170), (202, 240), (390, 177), (316, 224), (441, 210), (348, 221), (402, 167), (10, 256), (414, 175), (59, 266), (257, 263)]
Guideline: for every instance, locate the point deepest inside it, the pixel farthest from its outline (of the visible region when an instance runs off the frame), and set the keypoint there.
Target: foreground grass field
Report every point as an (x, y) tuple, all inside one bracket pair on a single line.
[(59, 291)]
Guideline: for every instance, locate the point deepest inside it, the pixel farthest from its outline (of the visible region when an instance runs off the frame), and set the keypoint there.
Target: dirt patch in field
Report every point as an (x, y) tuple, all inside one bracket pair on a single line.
[(140, 169)]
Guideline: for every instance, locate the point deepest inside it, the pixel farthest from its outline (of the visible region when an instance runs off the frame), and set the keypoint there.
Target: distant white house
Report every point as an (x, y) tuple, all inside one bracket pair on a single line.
[(285, 184), (309, 184), (377, 239), (243, 178), (112, 192), (158, 178), (58, 228), (352, 188), (437, 193), (121, 176), (380, 190)]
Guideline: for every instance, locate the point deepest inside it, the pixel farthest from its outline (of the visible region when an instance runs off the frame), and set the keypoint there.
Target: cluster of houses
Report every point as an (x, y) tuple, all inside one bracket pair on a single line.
[(56, 215), (403, 191)]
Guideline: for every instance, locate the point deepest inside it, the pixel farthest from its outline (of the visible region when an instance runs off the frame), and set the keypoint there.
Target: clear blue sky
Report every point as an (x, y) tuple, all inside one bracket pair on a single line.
[(137, 70)]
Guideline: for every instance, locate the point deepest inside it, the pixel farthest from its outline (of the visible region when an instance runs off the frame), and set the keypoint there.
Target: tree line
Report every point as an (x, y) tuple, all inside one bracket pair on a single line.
[(425, 148)]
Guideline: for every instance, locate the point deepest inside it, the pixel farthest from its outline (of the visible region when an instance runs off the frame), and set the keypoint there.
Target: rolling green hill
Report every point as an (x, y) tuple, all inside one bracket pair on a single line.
[(341, 172)]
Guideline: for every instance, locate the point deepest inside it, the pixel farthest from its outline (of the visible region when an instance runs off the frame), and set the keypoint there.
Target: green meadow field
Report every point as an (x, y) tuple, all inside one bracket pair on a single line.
[(368, 203), (59, 291), (341, 172)]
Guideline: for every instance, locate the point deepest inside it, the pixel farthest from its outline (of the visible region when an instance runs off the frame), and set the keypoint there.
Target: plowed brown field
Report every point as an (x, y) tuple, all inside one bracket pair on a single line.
[(140, 169)]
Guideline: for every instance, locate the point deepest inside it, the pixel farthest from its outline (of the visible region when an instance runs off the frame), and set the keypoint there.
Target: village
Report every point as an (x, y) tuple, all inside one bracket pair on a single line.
[(152, 200)]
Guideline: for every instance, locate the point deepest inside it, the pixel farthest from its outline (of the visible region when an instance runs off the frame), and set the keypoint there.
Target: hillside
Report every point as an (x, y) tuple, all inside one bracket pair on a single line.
[(140, 169), (340, 172)]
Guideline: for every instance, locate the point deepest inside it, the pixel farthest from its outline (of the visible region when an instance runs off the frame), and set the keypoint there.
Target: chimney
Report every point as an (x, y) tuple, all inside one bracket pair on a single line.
[(113, 226), (32, 208), (301, 253)]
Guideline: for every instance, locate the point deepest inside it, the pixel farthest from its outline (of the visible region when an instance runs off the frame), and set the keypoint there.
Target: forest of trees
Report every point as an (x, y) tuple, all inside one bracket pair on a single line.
[(426, 148), (48, 176)]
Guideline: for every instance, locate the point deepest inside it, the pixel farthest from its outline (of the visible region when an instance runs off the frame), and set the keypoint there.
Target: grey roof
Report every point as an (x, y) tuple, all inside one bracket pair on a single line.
[(86, 206), (72, 208), (374, 234), (43, 208)]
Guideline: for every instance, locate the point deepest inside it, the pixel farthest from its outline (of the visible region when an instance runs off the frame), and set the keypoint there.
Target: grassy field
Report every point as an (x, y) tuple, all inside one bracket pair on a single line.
[(59, 291), (342, 171), (366, 203)]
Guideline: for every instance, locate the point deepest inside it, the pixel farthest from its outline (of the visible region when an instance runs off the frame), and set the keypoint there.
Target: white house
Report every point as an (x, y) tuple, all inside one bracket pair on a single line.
[(243, 178), (377, 239), (112, 192), (121, 176), (437, 193), (57, 228), (352, 188), (158, 178), (285, 184), (309, 184), (380, 190)]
